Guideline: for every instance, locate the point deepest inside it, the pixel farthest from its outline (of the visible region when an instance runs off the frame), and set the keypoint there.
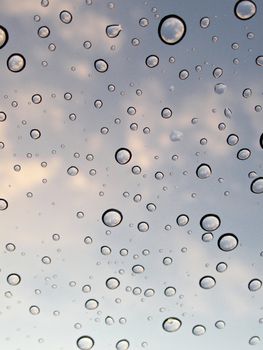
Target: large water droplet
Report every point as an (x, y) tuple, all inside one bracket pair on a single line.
[(199, 330), (207, 282), (101, 65), (210, 222), (143, 226), (123, 155), (16, 62), (171, 29), (112, 283), (259, 61), (171, 324), (113, 30), (13, 279), (169, 291), (257, 185), (91, 304), (182, 220), (232, 139), (245, 9), (73, 171), (65, 16), (227, 242), (43, 32), (243, 154), (3, 204), (35, 134), (220, 324), (85, 343), (203, 171), (217, 72), (122, 344), (3, 36), (254, 340), (112, 217), (254, 285)]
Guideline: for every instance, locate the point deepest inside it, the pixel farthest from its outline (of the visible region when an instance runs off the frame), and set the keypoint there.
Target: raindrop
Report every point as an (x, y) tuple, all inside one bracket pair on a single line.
[(171, 29), (169, 291), (207, 237), (43, 32), (210, 222), (204, 22), (220, 324), (182, 220), (112, 283), (207, 282), (122, 344), (16, 62), (123, 156), (46, 260), (112, 217), (85, 343), (152, 61), (143, 22), (143, 226), (217, 72), (2, 116), (167, 261), (247, 93), (227, 242), (149, 292), (245, 9), (34, 310), (184, 74), (203, 171), (259, 61), (228, 112), (198, 330), (254, 340), (176, 135), (101, 65), (113, 30), (166, 113), (10, 247), (87, 44), (257, 185), (13, 279), (91, 304), (138, 269), (105, 250), (3, 204), (220, 88), (254, 285), (109, 321), (232, 139), (3, 37), (171, 324), (221, 267), (36, 99), (35, 134), (65, 17), (243, 154), (72, 171)]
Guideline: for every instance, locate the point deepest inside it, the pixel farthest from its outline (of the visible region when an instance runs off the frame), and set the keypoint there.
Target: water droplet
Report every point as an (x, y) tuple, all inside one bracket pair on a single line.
[(166, 113), (176, 135), (72, 171), (254, 285), (13, 279), (203, 171), (36, 99), (105, 250), (254, 340), (207, 282), (167, 261), (220, 88), (46, 260), (232, 139), (149, 292), (227, 242), (122, 344), (159, 175), (16, 62), (101, 65), (85, 343), (245, 9), (259, 61), (220, 324), (172, 324), (207, 237), (34, 310), (91, 304), (2, 116), (169, 291), (152, 61), (109, 321), (183, 74), (43, 32), (86, 288), (204, 22), (65, 16), (112, 283), (113, 30), (221, 267), (3, 204), (217, 72), (210, 222), (10, 247), (198, 330), (182, 220), (257, 185), (112, 217), (35, 134), (138, 269), (3, 37), (243, 154), (228, 112), (143, 22), (143, 226), (87, 44), (171, 29), (123, 155)]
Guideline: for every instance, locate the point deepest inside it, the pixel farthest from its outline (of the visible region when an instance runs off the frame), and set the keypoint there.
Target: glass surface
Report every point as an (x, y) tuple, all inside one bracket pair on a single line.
[(131, 196)]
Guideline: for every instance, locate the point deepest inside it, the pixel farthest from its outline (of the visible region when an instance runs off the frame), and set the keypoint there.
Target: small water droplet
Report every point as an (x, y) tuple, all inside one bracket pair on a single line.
[(259, 61), (203, 171), (85, 343), (232, 139), (91, 304), (13, 279), (207, 237), (220, 88), (43, 32), (204, 22), (183, 74), (34, 310), (112, 283), (3, 204), (143, 226), (166, 113), (65, 17), (152, 61), (169, 291), (172, 324), (221, 267), (243, 154), (217, 72), (182, 220), (220, 324), (199, 330)]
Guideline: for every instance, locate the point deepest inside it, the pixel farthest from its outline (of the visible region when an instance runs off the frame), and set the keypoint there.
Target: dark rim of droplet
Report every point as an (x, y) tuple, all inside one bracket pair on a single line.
[(160, 27), (112, 25), (123, 149), (261, 141), (114, 210), (207, 215), (61, 13), (6, 203), (6, 36), (107, 66), (150, 57), (16, 54), (203, 164), (244, 19), (227, 235), (252, 184), (210, 277)]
